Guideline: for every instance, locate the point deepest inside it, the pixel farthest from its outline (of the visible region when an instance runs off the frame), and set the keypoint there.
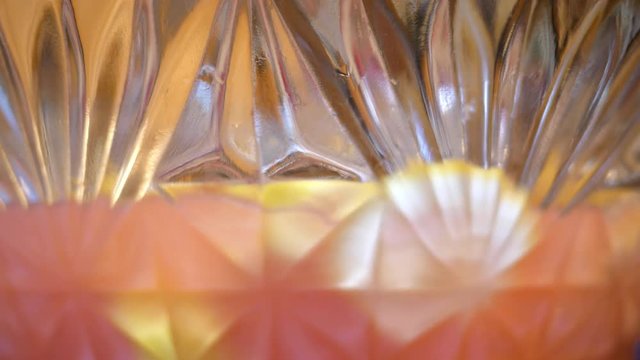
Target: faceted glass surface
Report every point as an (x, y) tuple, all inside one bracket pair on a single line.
[(305, 179)]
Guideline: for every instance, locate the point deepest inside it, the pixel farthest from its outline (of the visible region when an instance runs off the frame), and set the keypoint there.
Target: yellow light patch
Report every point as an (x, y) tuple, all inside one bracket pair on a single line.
[(300, 214), (292, 193), (146, 321), (249, 192)]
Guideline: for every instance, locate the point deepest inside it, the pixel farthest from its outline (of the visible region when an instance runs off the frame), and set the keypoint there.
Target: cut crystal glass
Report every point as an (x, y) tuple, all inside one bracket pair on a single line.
[(306, 179)]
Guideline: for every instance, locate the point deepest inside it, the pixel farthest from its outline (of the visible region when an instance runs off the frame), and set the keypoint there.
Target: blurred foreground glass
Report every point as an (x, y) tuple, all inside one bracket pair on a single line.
[(302, 179)]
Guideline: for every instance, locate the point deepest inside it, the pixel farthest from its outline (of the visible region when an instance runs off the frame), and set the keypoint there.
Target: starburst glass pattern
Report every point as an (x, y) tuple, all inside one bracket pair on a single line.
[(303, 179)]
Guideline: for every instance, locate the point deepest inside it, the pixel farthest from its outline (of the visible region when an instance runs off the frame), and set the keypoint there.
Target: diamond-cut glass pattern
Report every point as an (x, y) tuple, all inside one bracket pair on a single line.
[(218, 274), (471, 179)]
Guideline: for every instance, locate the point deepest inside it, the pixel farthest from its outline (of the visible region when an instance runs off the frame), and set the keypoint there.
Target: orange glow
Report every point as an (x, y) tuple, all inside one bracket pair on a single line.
[(199, 276)]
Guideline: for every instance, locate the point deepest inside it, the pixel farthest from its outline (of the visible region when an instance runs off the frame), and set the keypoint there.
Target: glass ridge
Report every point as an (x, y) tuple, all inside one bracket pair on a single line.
[(112, 100), (306, 179)]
